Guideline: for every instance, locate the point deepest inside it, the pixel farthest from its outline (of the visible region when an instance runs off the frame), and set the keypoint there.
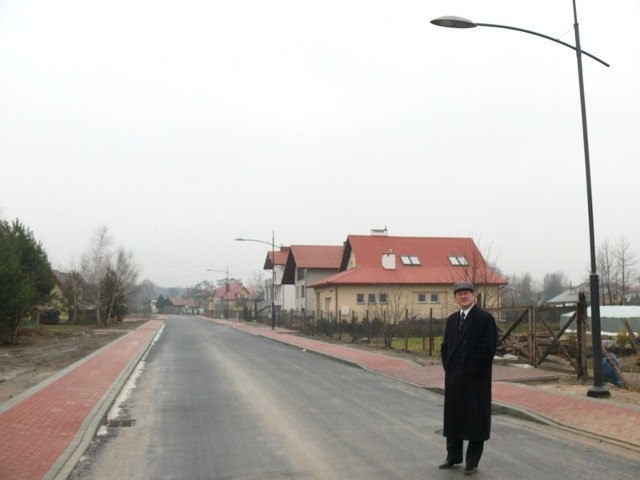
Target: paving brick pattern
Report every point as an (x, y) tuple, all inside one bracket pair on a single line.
[(598, 417), (36, 431)]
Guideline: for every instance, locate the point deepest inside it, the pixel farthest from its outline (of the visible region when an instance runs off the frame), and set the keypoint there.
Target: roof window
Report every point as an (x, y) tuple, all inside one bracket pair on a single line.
[(410, 260), (458, 260)]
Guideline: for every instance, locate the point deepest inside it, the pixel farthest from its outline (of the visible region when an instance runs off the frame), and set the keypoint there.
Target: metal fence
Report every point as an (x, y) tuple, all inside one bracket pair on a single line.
[(533, 334)]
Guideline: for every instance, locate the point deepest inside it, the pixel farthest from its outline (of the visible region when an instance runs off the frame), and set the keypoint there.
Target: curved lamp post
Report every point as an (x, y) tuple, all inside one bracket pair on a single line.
[(597, 390), (226, 284), (273, 274)]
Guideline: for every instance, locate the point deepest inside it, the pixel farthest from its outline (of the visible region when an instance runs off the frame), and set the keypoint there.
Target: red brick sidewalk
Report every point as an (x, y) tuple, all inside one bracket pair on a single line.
[(45, 431), (599, 418)]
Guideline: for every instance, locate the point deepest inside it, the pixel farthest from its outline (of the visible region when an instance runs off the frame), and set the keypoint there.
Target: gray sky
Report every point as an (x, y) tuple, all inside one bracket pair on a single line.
[(183, 125)]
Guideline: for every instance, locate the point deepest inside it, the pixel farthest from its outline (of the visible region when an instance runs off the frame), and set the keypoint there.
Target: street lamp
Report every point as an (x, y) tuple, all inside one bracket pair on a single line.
[(226, 285), (597, 390), (273, 273)]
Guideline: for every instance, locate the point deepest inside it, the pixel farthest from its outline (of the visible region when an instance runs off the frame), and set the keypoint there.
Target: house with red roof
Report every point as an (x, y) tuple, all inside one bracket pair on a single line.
[(307, 264), (389, 277), (233, 300), (283, 293), (181, 306)]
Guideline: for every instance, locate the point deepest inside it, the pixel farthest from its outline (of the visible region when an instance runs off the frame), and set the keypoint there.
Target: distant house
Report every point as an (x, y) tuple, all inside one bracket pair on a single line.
[(381, 275), (307, 264), (152, 305), (67, 298), (569, 296), (283, 293), (54, 310), (181, 306), (234, 301), (57, 298)]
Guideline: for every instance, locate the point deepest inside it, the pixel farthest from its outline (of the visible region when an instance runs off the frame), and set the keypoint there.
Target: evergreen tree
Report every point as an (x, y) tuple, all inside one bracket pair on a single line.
[(26, 279)]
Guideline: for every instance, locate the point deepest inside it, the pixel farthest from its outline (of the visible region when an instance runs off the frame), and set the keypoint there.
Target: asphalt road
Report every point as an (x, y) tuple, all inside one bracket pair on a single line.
[(209, 402)]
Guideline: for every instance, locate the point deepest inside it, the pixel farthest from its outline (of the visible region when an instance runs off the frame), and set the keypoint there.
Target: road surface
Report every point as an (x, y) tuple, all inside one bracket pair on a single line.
[(209, 402)]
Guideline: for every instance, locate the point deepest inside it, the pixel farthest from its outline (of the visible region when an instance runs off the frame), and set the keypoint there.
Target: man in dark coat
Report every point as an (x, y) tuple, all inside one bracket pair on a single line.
[(467, 352)]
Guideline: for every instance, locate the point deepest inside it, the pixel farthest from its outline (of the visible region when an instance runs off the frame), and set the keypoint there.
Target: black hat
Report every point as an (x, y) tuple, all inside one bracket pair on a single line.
[(463, 286)]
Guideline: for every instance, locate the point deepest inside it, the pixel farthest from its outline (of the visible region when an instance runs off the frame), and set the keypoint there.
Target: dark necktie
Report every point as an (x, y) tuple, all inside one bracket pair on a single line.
[(461, 321)]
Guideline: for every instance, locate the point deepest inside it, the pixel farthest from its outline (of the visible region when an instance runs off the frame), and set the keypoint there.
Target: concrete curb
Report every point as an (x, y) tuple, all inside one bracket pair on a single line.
[(62, 468)]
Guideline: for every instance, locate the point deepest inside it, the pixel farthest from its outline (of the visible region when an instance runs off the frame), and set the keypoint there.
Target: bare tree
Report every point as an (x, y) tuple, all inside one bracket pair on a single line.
[(257, 279), (618, 267), (553, 284), (608, 270), (521, 291), (392, 311), (127, 272), (95, 262), (74, 293), (627, 263), (144, 293), (201, 292)]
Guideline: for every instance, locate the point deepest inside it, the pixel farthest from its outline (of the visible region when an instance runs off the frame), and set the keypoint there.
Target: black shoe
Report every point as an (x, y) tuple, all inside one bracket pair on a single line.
[(448, 464), (470, 470)]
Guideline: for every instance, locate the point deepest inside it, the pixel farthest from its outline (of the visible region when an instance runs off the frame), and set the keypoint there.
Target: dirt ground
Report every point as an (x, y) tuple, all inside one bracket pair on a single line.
[(39, 354), (36, 356), (630, 393)]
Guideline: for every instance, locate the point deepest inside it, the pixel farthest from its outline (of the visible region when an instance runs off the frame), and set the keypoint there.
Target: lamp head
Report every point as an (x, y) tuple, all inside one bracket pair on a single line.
[(453, 22)]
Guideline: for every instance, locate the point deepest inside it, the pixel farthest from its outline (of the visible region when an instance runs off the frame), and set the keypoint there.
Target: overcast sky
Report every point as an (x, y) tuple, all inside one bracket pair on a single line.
[(183, 125)]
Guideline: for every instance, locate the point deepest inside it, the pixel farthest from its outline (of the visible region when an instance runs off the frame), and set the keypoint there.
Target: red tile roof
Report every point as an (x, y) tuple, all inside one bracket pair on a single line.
[(183, 302), (235, 288), (231, 293), (317, 256), (321, 257), (281, 258), (432, 252)]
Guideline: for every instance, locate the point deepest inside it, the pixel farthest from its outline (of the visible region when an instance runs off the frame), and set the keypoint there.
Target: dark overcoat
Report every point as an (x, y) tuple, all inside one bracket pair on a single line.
[(467, 357)]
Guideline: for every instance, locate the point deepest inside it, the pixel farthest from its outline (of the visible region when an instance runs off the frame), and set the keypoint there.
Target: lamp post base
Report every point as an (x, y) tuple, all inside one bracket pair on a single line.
[(598, 392)]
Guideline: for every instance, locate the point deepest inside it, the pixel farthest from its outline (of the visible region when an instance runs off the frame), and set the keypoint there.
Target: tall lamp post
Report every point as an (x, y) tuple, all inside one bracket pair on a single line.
[(226, 287), (273, 273), (597, 390)]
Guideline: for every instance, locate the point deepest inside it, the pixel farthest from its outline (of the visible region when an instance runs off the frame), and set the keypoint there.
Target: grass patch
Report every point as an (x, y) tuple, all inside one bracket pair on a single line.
[(415, 345), (61, 329)]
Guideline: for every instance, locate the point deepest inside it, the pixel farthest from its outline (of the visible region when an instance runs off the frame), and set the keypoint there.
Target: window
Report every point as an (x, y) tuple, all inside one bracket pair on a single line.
[(383, 298), (428, 298), (302, 291), (300, 273), (458, 260), (410, 260), (372, 298), (359, 297)]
